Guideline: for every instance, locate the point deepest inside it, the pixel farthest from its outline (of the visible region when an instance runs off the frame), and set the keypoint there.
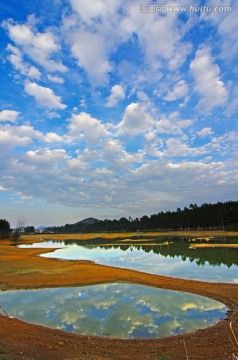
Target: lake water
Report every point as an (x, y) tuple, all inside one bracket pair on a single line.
[(175, 259), (115, 310)]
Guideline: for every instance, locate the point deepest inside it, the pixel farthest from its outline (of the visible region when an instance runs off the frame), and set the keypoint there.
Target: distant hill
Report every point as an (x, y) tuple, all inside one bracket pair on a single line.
[(41, 228), (89, 220)]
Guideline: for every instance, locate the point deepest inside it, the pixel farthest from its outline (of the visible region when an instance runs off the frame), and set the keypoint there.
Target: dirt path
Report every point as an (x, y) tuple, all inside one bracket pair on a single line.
[(23, 269)]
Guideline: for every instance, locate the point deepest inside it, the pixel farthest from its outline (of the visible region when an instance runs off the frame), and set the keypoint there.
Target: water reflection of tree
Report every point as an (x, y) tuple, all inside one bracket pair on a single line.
[(178, 248), (212, 256)]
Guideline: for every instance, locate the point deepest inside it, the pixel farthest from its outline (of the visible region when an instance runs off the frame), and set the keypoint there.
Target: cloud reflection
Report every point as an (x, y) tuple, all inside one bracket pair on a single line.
[(116, 310)]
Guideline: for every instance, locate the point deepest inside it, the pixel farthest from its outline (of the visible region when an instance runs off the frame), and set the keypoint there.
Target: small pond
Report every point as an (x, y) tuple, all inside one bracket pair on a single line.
[(175, 259), (115, 310)]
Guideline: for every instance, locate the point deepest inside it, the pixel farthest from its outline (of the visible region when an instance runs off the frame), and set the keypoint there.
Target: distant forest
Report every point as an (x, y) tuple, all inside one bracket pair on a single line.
[(207, 216)]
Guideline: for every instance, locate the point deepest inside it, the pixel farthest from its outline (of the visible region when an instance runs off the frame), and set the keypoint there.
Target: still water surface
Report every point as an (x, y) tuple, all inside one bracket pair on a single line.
[(175, 259), (115, 310)]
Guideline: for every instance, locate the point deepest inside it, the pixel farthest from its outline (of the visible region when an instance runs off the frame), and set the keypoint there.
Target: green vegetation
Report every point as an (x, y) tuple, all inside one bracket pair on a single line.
[(29, 230), (4, 229), (207, 216)]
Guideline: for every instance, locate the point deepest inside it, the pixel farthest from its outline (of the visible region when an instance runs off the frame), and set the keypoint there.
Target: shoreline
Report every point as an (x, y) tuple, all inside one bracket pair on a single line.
[(24, 269)]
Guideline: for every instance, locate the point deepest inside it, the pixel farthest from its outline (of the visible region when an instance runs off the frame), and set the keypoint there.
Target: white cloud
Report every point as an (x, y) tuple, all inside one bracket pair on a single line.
[(225, 25), (90, 49), (164, 31), (180, 90), (207, 81), (25, 130), (52, 137), (95, 9), (46, 156), (44, 96), (172, 125), (9, 115), (205, 132), (9, 140), (17, 60), (85, 126), (135, 121), (106, 173), (34, 73), (114, 154), (232, 106), (227, 29), (176, 147), (38, 46), (117, 94), (13, 136), (56, 79), (92, 37)]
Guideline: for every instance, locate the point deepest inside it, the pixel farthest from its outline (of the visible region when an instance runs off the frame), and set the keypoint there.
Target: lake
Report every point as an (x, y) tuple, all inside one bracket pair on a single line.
[(175, 259)]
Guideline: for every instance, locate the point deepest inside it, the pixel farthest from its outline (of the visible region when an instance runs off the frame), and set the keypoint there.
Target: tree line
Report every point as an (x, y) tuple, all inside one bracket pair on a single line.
[(222, 215), (4, 229), (15, 234)]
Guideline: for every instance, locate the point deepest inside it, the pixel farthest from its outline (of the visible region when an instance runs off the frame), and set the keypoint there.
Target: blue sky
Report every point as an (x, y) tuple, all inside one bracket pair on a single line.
[(112, 108)]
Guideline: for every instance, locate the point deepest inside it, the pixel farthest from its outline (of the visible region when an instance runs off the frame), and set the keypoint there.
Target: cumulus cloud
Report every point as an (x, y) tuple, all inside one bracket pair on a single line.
[(88, 48), (17, 60), (14, 136), (205, 132), (55, 79), (207, 79), (46, 156), (96, 38), (52, 138), (9, 115), (38, 46), (85, 126), (169, 51), (109, 174), (117, 94), (173, 125), (114, 154), (33, 73), (180, 90), (9, 140), (225, 26), (135, 121), (96, 9), (44, 96)]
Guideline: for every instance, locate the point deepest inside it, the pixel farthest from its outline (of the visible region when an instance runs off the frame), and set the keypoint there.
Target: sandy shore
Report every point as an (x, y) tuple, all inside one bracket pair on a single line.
[(23, 269), (197, 246)]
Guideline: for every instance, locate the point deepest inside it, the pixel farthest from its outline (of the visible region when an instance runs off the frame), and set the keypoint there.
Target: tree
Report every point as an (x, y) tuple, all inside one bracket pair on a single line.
[(29, 229), (16, 235), (4, 229)]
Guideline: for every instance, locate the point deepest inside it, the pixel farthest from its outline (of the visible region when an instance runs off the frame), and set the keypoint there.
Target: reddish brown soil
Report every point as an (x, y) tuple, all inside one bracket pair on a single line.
[(22, 269)]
